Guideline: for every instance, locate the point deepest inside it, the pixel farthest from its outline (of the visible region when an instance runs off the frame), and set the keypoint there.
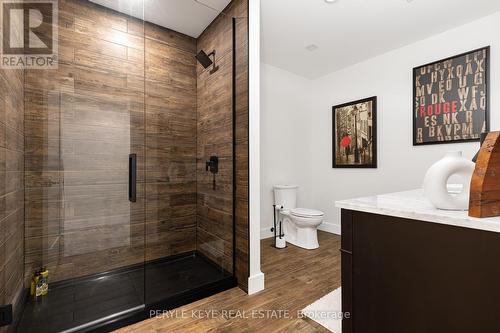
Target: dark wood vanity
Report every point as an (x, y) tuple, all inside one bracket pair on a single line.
[(407, 275)]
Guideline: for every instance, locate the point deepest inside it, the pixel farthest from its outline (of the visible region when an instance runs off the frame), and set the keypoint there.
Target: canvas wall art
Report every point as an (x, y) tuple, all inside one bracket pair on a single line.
[(450, 99), (355, 134)]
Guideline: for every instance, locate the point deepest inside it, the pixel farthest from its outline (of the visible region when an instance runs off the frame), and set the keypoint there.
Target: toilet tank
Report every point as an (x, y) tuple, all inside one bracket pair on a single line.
[(286, 196)]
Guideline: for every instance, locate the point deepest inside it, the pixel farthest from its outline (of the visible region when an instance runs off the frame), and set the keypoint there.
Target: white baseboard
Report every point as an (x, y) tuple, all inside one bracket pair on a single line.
[(325, 226), (255, 283), (266, 233), (330, 227)]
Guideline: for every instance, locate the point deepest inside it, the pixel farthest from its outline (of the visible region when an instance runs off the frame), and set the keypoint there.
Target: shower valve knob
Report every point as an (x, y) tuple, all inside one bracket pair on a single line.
[(212, 165)]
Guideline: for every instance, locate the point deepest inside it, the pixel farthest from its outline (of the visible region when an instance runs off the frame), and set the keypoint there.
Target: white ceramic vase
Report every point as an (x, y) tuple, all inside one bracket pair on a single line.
[(437, 189)]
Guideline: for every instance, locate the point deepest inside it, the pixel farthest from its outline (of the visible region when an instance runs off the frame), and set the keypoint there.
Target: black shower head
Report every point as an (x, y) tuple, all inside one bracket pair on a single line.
[(204, 59)]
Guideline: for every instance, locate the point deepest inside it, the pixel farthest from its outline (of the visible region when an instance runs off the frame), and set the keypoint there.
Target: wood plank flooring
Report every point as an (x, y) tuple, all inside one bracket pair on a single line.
[(294, 278)]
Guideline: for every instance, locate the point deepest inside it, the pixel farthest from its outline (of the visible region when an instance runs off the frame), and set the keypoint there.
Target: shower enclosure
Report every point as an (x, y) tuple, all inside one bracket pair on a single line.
[(130, 166)]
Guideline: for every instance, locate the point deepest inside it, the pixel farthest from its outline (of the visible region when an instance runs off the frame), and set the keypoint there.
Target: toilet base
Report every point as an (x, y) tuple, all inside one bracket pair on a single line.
[(306, 238)]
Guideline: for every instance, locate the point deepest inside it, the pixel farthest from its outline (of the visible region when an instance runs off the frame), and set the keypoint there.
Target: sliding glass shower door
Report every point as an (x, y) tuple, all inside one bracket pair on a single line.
[(85, 167)]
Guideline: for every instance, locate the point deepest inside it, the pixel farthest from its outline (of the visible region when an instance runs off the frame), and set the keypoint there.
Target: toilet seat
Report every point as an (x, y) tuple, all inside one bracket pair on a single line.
[(306, 212)]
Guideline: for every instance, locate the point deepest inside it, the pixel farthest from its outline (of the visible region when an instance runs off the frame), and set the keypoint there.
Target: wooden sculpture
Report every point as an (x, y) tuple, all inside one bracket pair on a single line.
[(484, 198)]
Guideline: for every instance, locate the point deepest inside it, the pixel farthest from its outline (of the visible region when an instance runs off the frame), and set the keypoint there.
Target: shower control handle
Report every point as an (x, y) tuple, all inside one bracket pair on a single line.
[(212, 165)]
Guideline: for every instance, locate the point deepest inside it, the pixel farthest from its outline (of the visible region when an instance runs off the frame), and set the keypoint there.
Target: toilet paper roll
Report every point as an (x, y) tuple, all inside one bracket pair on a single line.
[(280, 243)]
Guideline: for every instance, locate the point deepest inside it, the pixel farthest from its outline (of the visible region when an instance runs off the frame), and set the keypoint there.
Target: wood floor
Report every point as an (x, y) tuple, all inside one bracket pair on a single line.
[(294, 278)]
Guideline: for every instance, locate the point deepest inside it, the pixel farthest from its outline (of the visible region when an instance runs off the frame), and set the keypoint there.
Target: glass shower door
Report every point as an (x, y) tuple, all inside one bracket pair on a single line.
[(84, 167)]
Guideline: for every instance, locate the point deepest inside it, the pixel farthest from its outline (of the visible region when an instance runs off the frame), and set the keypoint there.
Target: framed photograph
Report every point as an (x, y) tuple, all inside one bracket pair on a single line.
[(451, 99), (355, 134)]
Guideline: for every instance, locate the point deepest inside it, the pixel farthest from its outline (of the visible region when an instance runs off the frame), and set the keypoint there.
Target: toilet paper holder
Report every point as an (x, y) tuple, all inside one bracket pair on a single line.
[(277, 229)]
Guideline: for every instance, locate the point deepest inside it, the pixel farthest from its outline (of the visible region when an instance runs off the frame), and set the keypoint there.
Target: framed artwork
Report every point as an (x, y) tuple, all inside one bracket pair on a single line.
[(451, 99), (354, 139)]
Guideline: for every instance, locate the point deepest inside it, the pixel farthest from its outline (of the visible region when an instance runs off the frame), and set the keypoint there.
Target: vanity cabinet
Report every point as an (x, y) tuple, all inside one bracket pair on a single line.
[(402, 275)]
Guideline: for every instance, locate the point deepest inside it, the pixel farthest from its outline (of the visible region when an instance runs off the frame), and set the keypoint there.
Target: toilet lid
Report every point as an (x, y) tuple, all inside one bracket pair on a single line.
[(306, 212)]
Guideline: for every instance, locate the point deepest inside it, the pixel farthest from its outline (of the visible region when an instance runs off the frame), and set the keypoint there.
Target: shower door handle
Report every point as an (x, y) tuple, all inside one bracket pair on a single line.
[(132, 177)]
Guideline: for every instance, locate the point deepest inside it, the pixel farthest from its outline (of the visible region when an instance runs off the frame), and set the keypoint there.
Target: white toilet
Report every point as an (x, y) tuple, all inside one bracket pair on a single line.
[(300, 225)]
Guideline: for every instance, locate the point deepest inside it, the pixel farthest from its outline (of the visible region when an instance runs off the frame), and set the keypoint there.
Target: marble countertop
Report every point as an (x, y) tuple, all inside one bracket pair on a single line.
[(413, 205)]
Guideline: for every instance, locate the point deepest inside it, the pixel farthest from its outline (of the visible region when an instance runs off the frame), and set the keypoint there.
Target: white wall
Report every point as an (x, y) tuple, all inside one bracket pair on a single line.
[(401, 166), (286, 151)]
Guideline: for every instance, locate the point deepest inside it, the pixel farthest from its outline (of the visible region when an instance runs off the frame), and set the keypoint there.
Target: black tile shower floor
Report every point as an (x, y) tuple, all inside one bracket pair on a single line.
[(73, 303)]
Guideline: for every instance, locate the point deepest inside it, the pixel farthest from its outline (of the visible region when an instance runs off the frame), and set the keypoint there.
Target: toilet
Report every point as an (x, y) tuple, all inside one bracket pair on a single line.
[(300, 225)]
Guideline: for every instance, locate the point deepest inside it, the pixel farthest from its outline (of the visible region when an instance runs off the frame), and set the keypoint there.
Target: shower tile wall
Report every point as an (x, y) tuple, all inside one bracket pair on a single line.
[(83, 120), (215, 137), (11, 187), (170, 142), (241, 148)]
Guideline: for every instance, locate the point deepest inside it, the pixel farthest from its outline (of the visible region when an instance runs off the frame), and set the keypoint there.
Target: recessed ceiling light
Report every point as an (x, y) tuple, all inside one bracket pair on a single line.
[(311, 47), (331, 1)]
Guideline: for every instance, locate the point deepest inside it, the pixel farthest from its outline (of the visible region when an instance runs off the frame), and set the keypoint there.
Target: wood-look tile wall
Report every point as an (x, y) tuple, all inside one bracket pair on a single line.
[(82, 121), (241, 140), (215, 137), (11, 187), (127, 87), (170, 143)]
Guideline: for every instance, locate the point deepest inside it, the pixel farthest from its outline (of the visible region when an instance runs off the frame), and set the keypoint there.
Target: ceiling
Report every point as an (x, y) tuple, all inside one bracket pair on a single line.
[(349, 31), (189, 17)]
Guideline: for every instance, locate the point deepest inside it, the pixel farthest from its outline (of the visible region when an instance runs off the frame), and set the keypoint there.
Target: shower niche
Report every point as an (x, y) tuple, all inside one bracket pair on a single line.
[(135, 164)]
